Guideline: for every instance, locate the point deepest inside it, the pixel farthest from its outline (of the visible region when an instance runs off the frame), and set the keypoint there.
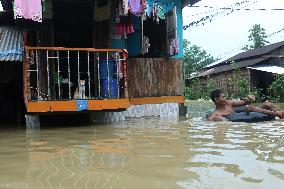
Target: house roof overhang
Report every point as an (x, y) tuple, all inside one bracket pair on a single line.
[(188, 2), (269, 68), (11, 43)]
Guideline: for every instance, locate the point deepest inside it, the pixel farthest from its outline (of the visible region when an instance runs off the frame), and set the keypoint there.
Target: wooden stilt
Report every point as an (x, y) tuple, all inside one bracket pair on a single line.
[(182, 109)]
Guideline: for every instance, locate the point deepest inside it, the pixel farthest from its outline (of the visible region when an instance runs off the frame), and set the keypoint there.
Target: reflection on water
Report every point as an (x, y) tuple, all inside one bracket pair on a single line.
[(146, 153), (138, 153)]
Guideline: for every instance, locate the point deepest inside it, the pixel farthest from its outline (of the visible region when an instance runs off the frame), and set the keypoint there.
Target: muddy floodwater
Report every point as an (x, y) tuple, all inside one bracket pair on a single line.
[(146, 153)]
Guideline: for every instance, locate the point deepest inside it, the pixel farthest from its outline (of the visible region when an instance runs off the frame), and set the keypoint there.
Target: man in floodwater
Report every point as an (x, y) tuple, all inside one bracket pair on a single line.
[(225, 107)]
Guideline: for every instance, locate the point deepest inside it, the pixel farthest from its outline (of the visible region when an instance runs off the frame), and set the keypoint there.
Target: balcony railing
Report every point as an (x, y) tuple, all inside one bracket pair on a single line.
[(57, 73)]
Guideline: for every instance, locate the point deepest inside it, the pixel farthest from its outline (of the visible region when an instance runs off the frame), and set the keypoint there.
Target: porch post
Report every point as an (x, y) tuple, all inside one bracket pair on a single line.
[(32, 121)]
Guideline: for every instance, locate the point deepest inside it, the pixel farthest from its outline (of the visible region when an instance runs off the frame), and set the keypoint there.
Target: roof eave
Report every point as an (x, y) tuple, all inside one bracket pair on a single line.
[(188, 2)]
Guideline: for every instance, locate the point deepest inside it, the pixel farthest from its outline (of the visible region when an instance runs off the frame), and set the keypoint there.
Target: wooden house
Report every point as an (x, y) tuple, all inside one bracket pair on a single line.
[(11, 78), (101, 55)]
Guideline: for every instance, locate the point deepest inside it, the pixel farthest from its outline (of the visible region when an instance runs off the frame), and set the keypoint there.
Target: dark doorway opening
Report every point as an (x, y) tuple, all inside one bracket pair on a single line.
[(73, 28), (12, 108), (73, 23), (263, 80), (156, 32)]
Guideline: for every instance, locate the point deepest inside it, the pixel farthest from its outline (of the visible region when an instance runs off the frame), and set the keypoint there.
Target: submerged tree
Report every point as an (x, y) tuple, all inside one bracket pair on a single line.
[(195, 58), (257, 37)]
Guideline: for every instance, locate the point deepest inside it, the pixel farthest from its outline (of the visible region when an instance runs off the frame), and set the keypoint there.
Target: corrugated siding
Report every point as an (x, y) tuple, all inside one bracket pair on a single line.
[(11, 44)]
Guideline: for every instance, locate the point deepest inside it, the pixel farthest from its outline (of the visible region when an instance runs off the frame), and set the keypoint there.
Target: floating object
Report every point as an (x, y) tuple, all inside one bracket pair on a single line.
[(240, 115), (249, 117)]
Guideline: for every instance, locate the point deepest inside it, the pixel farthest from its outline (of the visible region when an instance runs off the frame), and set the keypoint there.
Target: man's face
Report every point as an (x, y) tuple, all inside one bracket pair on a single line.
[(221, 99)]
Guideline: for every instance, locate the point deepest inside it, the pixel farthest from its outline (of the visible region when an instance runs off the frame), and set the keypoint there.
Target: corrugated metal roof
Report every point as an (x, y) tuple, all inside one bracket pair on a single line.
[(269, 68), (250, 54), (228, 67), (11, 44)]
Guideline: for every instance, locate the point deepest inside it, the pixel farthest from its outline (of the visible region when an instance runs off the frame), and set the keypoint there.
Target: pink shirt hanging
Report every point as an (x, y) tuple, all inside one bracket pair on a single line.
[(135, 6), (28, 9)]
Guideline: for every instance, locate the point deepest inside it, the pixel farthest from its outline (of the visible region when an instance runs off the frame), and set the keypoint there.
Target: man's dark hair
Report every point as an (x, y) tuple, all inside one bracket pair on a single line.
[(215, 94)]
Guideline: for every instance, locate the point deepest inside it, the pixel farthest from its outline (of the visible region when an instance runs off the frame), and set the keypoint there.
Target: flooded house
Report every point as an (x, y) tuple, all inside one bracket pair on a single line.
[(111, 58), (257, 67)]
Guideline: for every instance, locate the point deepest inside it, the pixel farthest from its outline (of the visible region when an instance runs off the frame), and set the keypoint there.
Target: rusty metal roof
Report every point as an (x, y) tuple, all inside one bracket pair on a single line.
[(11, 44)]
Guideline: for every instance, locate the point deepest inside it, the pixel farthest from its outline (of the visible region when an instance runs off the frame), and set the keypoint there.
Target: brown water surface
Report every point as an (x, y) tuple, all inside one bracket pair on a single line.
[(145, 153)]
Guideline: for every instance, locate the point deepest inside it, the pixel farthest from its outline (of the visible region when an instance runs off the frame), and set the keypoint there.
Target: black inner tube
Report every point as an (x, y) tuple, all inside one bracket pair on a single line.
[(241, 116)]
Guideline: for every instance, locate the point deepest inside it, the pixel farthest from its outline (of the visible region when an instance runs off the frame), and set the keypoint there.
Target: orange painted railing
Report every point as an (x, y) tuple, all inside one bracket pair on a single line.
[(59, 74)]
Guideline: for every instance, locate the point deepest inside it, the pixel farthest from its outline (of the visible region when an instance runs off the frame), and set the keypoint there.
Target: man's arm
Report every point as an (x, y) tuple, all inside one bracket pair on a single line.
[(242, 102), (236, 103)]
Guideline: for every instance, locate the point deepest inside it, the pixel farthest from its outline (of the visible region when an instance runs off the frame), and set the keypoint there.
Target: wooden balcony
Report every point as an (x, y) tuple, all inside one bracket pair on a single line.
[(58, 79)]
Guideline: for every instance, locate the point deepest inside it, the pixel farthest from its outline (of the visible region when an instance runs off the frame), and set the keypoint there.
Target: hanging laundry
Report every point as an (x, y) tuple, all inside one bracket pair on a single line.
[(135, 7), (123, 26), (27, 10), (148, 10), (145, 45), (120, 8), (47, 12), (125, 7), (161, 12), (174, 47), (101, 12), (155, 12), (145, 8)]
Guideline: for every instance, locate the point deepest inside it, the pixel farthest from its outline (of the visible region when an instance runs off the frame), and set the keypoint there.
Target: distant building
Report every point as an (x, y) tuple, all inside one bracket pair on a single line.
[(258, 67)]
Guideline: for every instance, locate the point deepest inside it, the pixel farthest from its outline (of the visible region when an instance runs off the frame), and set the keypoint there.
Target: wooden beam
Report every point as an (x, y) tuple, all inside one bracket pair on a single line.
[(71, 106), (75, 49), (63, 106), (99, 105), (38, 107), (109, 104), (157, 100)]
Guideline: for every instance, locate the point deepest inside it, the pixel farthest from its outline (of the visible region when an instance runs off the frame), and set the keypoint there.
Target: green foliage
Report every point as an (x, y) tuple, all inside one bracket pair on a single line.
[(196, 90), (195, 58), (257, 37), (276, 89)]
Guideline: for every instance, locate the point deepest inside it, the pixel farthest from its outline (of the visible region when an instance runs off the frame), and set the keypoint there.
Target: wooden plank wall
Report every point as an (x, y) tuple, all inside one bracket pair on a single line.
[(150, 77)]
